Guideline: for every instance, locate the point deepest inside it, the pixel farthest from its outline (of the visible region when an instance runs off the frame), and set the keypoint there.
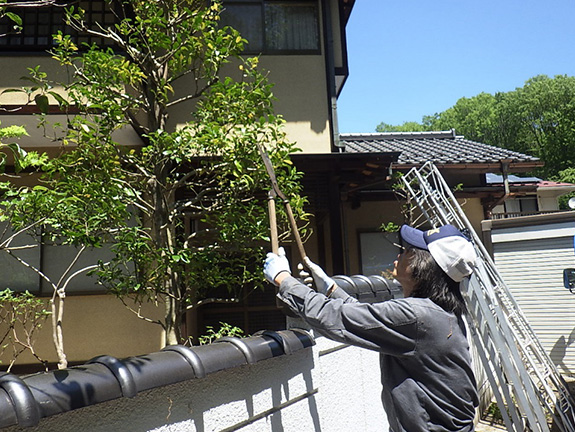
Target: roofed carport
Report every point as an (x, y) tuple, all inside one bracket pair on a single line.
[(361, 172), (460, 160), (328, 180)]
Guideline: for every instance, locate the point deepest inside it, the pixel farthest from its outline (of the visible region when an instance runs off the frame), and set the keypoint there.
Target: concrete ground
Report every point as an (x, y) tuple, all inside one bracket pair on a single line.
[(486, 425)]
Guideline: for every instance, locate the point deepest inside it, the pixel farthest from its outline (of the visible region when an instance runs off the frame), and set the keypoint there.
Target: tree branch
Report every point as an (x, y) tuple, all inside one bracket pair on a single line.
[(139, 315), (212, 300)]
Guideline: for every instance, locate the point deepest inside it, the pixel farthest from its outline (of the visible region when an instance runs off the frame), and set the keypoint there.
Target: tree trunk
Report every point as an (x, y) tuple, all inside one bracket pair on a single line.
[(173, 318), (57, 334)]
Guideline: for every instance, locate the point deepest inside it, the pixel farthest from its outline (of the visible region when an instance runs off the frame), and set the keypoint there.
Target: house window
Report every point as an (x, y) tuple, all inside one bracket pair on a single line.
[(40, 23), (275, 27), (52, 260), (378, 252), (514, 207), (529, 205)]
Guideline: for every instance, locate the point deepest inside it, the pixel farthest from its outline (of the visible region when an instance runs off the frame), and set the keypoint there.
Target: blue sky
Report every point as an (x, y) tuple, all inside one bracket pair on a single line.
[(410, 58)]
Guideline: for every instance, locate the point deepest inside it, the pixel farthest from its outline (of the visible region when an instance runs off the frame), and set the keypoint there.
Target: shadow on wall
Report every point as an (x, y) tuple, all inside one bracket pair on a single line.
[(224, 401), (559, 351), (285, 393)]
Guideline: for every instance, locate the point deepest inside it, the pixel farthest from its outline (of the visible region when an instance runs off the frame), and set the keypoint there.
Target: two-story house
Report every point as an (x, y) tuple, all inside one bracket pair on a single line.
[(348, 178), (302, 45)]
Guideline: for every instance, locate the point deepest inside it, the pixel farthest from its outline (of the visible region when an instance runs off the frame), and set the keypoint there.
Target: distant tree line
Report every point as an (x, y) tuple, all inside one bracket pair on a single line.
[(537, 119)]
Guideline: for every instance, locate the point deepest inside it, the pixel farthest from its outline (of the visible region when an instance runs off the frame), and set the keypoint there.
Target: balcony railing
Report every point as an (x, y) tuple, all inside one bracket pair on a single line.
[(507, 215)]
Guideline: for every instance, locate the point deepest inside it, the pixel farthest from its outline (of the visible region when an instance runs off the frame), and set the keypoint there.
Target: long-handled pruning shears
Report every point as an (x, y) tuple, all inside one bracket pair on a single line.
[(272, 194)]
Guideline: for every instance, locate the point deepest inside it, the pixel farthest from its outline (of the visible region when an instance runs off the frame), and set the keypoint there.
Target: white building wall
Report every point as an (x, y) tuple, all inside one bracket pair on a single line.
[(330, 387), (531, 260)]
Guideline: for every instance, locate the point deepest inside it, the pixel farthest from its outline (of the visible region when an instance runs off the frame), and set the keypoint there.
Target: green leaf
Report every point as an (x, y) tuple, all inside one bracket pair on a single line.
[(15, 18), (42, 103), (61, 101)]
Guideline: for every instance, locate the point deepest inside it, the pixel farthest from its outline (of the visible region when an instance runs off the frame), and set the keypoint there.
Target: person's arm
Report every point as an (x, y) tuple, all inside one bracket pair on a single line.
[(387, 327), (331, 291), (281, 277)]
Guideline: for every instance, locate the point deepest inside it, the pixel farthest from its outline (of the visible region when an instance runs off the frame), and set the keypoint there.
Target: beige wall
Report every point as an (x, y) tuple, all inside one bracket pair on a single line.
[(474, 211), (99, 324), (301, 92), (94, 325), (371, 215), (14, 68), (299, 86)]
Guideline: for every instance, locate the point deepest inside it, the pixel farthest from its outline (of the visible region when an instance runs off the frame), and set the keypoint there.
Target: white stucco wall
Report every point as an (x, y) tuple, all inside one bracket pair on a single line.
[(329, 387)]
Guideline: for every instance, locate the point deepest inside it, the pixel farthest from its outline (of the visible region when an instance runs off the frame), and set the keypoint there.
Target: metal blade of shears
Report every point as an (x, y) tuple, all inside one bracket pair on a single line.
[(275, 191)]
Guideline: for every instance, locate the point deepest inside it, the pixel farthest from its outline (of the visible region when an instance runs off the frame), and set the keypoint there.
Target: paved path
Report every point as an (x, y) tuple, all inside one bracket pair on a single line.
[(487, 426)]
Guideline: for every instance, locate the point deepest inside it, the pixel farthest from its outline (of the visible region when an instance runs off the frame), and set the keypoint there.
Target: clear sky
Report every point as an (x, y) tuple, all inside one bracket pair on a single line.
[(410, 58)]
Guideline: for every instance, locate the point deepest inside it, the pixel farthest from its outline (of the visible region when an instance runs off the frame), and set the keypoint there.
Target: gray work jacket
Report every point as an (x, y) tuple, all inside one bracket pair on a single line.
[(428, 381)]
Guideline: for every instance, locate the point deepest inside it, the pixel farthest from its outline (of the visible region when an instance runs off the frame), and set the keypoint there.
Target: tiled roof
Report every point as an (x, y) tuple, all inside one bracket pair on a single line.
[(443, 148), (552, 184)]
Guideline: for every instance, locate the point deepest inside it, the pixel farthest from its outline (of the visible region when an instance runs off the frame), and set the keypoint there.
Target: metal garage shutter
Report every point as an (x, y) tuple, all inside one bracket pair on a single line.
[(533, 270)]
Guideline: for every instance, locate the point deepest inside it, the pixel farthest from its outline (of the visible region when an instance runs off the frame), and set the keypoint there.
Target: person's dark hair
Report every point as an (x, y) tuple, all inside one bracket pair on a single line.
[(433, 283)]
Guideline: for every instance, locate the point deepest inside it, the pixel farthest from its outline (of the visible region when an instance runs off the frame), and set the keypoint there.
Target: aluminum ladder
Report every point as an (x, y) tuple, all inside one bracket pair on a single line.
[(527, 387)]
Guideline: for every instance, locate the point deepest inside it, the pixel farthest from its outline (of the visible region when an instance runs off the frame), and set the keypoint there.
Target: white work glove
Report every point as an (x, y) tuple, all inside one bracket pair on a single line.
[(322, 281), (275, 264), (304, 275)]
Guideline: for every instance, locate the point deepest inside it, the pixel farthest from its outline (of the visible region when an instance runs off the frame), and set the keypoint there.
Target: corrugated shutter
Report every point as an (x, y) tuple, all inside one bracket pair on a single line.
[(533, 270)]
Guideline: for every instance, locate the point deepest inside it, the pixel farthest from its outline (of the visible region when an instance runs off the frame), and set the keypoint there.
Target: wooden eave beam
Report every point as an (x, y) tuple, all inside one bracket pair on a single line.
[(477, 167)]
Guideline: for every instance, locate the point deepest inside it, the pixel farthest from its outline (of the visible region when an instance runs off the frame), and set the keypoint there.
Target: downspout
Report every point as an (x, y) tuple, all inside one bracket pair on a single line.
[(506, 188), (504, 173), (339, 254), (330, 75)]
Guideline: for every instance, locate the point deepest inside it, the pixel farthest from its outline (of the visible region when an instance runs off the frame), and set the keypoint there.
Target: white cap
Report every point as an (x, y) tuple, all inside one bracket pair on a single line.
[(450, 249)]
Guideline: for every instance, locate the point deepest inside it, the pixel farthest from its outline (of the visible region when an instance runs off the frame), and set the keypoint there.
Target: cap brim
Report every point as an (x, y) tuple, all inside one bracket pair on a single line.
[(413, 236)]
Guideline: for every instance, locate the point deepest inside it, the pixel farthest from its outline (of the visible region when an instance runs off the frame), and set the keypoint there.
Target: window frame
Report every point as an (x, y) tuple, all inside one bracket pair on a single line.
[(283, 51), (390, 250), (12, 43)]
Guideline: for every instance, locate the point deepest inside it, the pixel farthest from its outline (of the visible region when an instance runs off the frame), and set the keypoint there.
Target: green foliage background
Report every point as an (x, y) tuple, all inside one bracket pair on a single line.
[(537, 119)]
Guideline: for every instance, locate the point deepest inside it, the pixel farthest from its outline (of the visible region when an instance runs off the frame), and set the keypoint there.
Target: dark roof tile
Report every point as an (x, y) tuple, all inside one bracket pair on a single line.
[(440, 147)]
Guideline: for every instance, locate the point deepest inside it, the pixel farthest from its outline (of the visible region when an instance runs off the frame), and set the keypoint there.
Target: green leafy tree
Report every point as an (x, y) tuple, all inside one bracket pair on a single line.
[(537, 119), (22, 315), (405, 127), (544, 113), (567, 176), (476, 118), (225, 330), (184, 211)]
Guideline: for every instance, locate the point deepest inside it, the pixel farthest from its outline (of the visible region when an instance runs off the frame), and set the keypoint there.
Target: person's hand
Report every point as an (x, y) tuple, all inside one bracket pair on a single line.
[(322, 281), (304, 275), (275, 264)]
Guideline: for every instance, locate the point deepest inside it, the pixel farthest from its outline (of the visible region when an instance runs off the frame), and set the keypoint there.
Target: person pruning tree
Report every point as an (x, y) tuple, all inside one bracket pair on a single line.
[(427, 376)]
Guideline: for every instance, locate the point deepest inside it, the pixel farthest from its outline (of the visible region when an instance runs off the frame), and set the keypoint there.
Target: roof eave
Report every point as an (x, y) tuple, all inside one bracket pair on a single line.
[(519, 166)]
